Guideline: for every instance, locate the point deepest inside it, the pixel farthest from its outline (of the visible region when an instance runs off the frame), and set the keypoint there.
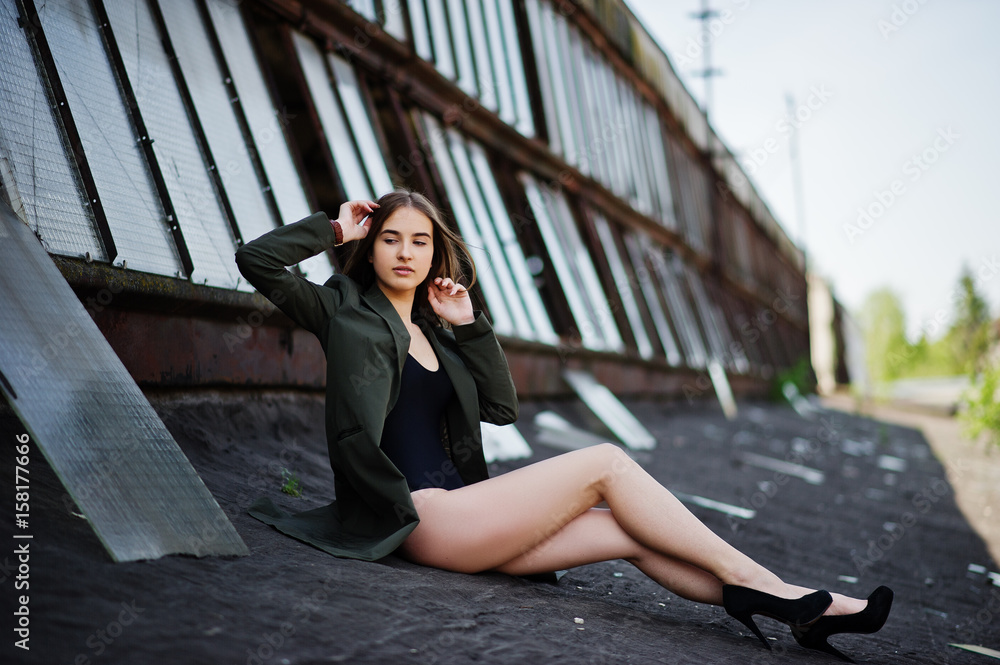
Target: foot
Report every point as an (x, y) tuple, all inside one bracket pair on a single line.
[(773, 585)]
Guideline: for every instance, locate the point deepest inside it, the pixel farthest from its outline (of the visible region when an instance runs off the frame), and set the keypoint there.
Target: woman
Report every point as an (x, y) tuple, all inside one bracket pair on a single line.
[(412, 369)]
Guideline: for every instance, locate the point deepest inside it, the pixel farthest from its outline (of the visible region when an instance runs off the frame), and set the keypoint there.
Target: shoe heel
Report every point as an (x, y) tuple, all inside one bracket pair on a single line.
[(747, 620)]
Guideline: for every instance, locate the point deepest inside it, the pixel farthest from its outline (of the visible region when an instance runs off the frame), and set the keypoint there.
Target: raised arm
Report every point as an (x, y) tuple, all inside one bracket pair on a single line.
[(263, 263), (486, 361)]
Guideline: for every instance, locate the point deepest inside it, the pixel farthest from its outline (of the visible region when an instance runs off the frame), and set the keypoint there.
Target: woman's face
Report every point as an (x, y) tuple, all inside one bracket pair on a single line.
[(402, 252)]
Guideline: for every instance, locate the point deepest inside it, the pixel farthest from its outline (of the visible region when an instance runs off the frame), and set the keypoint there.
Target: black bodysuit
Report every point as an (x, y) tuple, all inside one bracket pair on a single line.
[(411, 437)]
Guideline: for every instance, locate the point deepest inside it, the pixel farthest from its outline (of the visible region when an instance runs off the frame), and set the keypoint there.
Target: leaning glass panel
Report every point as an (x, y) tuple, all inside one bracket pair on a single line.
[(488, 81), (515, 65), (624, 285), (361, 124), (463, 50), (497, 259), (204, 79), (492, 291), (526, 287), (545, 76), (420, 31), (680, 310), (266, 125), (590, 335), (634, 246), (36, 172), (441, 38), (207, 233), (331, 117), (133, 208), (600, 309), (709, 324)]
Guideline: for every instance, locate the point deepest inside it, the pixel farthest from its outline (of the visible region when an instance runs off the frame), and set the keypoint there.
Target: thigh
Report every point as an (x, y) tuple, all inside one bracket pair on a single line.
[(594, 535), (489, 523)]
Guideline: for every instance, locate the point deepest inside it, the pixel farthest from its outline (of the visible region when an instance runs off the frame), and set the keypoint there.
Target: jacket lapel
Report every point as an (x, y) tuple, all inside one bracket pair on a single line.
[(375, 299), (460, 378)]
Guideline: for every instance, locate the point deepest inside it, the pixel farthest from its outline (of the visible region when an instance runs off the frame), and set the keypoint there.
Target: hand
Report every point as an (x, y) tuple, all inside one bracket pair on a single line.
[(450, 300), (351, 214)]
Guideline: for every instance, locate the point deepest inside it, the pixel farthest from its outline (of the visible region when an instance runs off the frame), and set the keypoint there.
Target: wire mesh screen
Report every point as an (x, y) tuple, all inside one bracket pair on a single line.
[(135, 215), (200, 215), (35, 167), (90, 420)]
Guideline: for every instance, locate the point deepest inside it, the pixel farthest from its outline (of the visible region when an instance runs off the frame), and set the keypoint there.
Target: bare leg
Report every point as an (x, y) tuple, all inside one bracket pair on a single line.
[(509, 518), (596, 536)]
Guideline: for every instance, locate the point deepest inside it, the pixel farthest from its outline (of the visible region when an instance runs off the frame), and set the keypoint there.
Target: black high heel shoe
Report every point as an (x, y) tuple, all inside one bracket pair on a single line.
[(868, 620), (742, 603)]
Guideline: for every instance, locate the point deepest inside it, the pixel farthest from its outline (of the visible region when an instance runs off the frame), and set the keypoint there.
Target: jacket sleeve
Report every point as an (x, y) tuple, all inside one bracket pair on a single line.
[(263, 261), (483, 357)]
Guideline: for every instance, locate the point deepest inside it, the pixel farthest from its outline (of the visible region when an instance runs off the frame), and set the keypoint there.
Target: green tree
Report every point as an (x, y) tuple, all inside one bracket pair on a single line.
[(888, 353), (968, 338)]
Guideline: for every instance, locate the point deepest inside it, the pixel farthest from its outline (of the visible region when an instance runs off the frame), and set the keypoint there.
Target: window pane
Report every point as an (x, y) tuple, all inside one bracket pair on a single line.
[(463, 50), (266, 125), (650, 290), (464, 216), (624, 285), (421, 33), (204, 79), (515, 66), (34, 160), (361, 124), (526, 287), (207, 233), (133, 208), (338, 135)]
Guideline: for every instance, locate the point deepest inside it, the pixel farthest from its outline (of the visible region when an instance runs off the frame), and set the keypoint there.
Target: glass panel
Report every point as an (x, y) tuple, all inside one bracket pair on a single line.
[(660, 175), (35, 164), (266, 125), (634, 246), (515, 66), (496, 51), (713, 329), (574, 268), (680, 310), (463, 50), (526, 287), (488, 81), (394, 24), (207, 232), (121, 173), (338, 135), (421, 33), (569, 52), (441, 37), (497, 263), (464, 216), (545, 76), (361, 124), (555, 46), (204, 79), (624, 285)]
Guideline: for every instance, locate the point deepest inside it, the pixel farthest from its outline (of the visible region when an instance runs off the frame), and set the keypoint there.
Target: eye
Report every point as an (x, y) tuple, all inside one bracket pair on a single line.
[(420, 242)]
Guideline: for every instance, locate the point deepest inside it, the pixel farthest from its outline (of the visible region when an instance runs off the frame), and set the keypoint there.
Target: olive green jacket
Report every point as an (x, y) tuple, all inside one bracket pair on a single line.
[(366, 344)]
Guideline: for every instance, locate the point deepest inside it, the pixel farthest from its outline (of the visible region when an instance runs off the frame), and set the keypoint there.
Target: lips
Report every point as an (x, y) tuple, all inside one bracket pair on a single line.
[(403, 270)]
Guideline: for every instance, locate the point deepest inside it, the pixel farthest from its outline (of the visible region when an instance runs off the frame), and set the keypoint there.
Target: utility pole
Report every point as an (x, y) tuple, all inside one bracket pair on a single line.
[(707, 71)]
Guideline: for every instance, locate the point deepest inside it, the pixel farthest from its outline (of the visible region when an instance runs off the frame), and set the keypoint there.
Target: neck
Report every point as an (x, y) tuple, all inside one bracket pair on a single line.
[(402, 302)]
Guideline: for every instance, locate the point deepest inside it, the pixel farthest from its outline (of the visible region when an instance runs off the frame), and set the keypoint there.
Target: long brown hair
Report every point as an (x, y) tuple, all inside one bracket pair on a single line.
[(451, 257)]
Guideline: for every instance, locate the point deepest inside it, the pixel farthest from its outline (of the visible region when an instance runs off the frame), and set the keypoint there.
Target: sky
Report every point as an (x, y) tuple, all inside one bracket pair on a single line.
[(897, 108)]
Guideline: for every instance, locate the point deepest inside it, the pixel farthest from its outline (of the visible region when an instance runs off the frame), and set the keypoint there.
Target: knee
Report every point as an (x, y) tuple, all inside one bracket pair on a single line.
[(612, 463)]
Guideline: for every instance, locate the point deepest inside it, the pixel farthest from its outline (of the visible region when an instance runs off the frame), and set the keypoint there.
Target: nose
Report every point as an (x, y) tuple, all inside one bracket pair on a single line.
[(404, 250)]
